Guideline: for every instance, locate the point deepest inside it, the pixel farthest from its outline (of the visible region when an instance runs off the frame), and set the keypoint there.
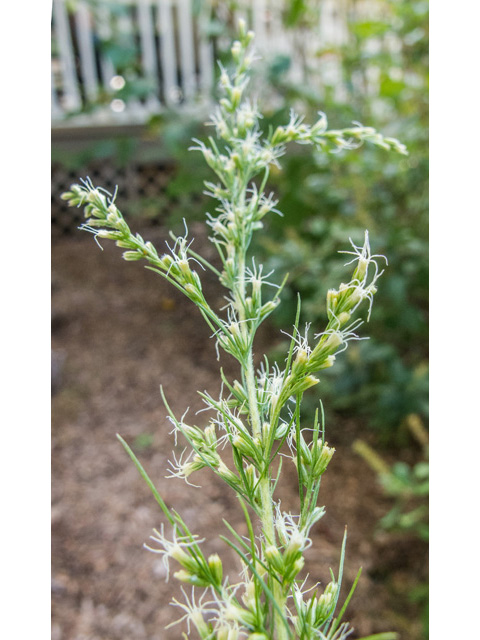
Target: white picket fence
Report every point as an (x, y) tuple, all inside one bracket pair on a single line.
[(175, 54)]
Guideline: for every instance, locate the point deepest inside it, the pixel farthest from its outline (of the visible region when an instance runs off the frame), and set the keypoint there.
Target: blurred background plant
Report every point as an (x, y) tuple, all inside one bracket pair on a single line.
[(383, 65), (408, 486)]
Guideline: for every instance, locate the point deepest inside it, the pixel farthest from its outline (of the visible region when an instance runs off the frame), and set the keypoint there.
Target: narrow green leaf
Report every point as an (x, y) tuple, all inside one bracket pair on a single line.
[(337, 620), (150, 484)]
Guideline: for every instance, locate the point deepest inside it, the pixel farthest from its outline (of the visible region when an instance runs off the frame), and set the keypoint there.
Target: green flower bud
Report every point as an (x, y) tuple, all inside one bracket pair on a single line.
[(183, 558), (226, 474), (210, 435), (132, 255), (193, 293), (227, 633), (322, 461), (191, 578), (239, 614), (274, 558), (245, 445), (236, 50), (328, 362), (202, 627), (215, 566)]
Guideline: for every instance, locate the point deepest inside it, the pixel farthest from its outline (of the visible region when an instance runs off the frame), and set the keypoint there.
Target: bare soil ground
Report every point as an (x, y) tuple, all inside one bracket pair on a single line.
[(118, 332)]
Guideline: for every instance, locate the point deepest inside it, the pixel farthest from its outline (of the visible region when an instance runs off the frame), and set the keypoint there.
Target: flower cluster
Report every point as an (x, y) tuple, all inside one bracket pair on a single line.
[(260, 412)]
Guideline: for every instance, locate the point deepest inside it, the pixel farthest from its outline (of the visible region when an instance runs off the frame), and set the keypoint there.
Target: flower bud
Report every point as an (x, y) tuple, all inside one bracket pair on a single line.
[(294, 547), (191, 578), (326, 602), (132, 256), (279, 136), (113, 218), (202, 627), (226, 474), (323, 460), (249, 596), (300, 362), (215, 566), (326, 346), (245, 445), (107, 234), (236, 50), (95, 197), (327, 363), (236, 96), (193, 293), (303, 385), (281, 430), (251, 476), (210, 435), (361, 269), (166, 261), (343, 317), (274, 558), (227, 633), (184, 267), (224, 79), (242, 27), (332, 299), (244, 616), (298, 565), (183, 558)]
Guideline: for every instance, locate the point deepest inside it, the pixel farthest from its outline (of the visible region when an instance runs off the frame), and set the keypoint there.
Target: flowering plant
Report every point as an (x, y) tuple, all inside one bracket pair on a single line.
[(259, 413)]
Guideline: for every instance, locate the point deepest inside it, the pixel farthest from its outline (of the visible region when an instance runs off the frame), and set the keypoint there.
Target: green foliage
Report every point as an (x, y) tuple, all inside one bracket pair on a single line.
[(383, 79), (407, 485)]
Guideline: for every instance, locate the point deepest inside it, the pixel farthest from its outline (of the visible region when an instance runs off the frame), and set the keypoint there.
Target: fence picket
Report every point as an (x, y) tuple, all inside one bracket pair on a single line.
[(181, 65), (206, 62), (168, 58), (71, 95), (87, 54), (147, 45), (187, 60)]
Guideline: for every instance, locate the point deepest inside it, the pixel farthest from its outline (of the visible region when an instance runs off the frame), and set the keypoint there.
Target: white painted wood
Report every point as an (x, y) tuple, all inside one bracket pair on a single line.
[(206, 61), (168, 58), (71, 98), (83, 20), (147, 45), (179, 54), (187, 59)]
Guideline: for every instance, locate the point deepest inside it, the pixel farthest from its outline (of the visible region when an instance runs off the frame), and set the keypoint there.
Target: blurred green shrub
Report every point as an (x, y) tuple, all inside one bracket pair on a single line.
[(408, 487), (383, 68)]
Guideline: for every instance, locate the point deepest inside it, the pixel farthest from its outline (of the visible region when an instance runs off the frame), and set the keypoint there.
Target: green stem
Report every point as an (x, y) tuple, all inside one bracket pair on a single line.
[(266, 498)]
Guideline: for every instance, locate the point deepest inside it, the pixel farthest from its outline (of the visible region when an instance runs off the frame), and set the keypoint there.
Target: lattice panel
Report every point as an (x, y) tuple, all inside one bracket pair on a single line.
[(142, 189)]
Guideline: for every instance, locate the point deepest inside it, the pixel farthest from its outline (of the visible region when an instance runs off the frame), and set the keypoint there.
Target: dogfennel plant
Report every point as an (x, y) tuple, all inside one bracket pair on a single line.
[(258, 415)]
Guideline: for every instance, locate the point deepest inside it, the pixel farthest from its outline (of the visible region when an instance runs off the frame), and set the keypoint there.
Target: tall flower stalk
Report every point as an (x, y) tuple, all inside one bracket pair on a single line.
[(257, 415)]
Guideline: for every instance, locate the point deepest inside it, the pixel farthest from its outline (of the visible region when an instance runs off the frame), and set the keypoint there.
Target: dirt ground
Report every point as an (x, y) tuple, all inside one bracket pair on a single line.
[(118, 332)]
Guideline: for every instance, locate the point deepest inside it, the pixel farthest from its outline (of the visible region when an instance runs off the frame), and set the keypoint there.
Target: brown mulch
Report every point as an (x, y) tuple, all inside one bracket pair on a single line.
[(119, 331)]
